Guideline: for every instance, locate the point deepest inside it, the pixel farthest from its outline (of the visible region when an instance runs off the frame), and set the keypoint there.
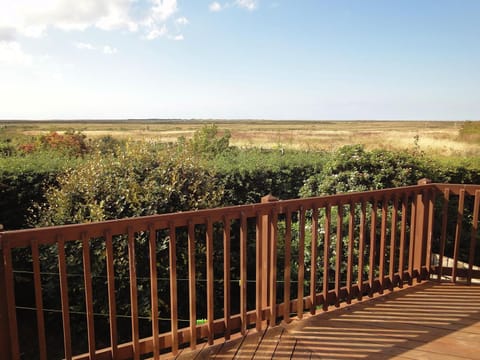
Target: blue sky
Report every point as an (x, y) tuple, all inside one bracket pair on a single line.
[(240, 59)]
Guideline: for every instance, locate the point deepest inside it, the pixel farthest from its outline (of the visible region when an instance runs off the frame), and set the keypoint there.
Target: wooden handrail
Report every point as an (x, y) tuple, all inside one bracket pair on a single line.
[(319, 251)]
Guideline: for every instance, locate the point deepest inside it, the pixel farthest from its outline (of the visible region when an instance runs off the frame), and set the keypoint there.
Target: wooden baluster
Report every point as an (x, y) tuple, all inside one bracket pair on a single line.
[(403, 236), (87, 277), (192, 285), (9, 342), (473, 236), (243, 273), (443, 236), (351, 219), (393, 236), (313, 262), (210, 283), (112, 307), (339, 253), (301, 263), (458, 233), (361, 249), (411, 247), (288, 266), (62, 268), (373, 238), (383, 240), (42, 342), (172, 248), (226, 277), (132, 266), (273, 268), (326, 254), (259, 286), (431, 209), (152, 241)]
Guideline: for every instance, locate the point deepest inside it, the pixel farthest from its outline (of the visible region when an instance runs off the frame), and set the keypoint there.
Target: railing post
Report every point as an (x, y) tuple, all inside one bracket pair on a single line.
[(265, 251), (421, 230), (5, 349)]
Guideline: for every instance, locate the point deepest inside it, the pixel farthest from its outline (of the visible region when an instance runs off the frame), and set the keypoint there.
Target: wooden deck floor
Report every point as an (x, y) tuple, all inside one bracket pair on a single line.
[(427, 321)]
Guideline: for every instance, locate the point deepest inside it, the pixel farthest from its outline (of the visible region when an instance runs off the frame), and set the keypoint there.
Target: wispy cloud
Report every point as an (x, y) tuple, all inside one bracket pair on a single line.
[(247, 4), (33, 18), (178, 37), (108, 50), (215, 7), (155, 32), (87, 46), (182, 21), (11, 53), (244, 4)]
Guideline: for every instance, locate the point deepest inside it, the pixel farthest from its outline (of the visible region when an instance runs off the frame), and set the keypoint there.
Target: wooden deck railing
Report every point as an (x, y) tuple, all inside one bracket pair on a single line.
[(152, 285)]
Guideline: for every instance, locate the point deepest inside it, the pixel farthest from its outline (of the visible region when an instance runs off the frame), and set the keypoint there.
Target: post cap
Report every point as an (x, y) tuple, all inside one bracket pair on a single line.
[(269, 198)]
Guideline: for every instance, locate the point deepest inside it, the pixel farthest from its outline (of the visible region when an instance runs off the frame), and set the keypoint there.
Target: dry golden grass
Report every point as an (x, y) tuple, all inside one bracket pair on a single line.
[(440, 138)]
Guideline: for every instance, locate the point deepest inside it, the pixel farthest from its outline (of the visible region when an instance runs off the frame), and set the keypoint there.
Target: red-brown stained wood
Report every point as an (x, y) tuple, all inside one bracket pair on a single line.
[(243, 272), (431, 209), (173, 287), (152, 242), (226, 277), (42, 343), (192, 285), (393, 237), (473, 236), (373, 237), (301, 262), (338, 250), (10, 300), (458, 232), (259, 289), (403, 236), (87, 276), (351, 220), (326, 255), (361, 248), (273, 269), (62, 268), (132, 267), (443, 236), (210, 284), (112, 307), (288, 266), (411, 245), (383, 240), (313, 262)]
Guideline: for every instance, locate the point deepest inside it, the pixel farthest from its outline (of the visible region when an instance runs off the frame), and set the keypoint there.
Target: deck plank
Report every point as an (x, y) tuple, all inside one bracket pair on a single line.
[(425, 321)]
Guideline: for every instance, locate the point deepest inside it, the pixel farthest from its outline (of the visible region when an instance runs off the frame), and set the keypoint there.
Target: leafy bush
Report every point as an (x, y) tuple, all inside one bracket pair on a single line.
[(137, 182), (352, 168)]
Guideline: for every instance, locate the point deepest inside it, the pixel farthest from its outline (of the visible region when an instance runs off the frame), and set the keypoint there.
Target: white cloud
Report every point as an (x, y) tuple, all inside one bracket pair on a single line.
[(108, 50), (86, 46), (182, 21), (156, 32), (33, 18), (178, 37), (163, 9), (215, 7), (247, 4), (11, 53)]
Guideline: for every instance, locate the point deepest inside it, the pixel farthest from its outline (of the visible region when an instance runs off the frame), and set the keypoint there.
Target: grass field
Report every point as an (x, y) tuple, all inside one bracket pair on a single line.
[(439, 138)]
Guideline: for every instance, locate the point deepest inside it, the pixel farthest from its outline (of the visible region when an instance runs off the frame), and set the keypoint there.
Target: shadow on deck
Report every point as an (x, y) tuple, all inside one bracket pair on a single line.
[(427, 321)]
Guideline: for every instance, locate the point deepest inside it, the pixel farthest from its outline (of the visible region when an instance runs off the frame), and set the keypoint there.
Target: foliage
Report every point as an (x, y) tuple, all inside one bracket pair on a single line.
[(352, 168), (137, 182), (208, 142), (250, 174), (23, 180)]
